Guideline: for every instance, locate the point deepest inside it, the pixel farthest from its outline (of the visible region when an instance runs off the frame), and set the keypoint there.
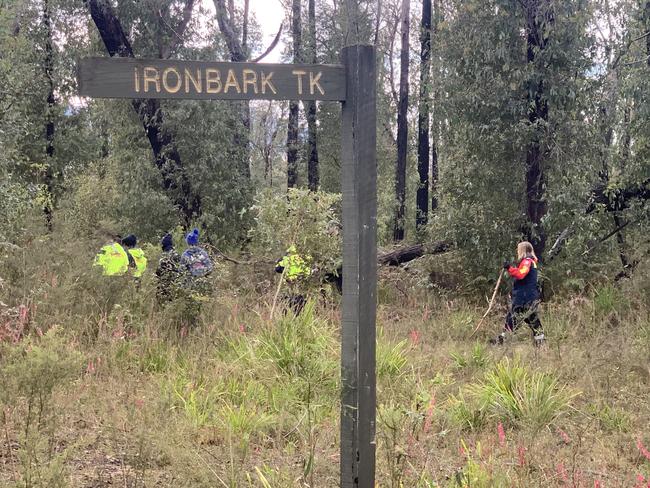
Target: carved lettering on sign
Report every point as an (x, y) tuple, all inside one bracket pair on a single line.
[(314, 83), (212, 80), (266, 81), (231, 82), (151, 75), (195, 80), (151, 78), (299, 73), (176, 78), (250, 78)]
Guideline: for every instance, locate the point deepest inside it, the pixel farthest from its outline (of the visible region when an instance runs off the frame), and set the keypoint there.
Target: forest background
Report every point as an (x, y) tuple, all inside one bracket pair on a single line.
[(498, 120)]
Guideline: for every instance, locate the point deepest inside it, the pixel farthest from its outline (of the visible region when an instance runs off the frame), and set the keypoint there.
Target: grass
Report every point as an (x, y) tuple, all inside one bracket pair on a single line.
[(108, 387)]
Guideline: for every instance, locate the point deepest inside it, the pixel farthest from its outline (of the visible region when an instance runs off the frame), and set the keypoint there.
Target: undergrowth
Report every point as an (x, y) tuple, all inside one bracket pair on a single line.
[(109, 387)]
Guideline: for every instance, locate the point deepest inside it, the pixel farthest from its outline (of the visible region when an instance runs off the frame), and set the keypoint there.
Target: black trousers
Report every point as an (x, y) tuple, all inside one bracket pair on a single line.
[(526, 312)]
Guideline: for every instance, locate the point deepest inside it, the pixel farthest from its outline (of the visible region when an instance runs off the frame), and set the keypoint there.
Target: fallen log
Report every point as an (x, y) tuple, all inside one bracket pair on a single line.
[(405, 254)]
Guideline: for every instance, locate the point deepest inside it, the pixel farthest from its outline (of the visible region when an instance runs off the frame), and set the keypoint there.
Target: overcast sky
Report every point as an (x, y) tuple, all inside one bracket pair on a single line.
[(269, 14)]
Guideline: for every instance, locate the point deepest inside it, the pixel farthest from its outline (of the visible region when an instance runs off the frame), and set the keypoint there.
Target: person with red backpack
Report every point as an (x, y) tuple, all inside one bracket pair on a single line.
[(525, 294)]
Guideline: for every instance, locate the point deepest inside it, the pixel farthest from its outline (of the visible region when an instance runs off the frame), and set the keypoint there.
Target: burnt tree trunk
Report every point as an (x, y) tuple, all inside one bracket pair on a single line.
[(402, 126), (166, 155), (313, 174), (48, 64), (294, 106), (539, 20), (424, 149)]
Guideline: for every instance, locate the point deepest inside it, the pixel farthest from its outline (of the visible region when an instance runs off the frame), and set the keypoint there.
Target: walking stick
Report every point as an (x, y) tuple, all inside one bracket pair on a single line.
[(277, 293), (494, 294)]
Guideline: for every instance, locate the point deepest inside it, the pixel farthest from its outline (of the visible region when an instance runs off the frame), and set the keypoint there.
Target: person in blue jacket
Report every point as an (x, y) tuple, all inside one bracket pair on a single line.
[(525, 294)]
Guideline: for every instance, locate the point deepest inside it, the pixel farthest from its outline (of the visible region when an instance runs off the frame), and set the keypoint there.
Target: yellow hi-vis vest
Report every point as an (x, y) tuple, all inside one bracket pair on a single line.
[(295, 267), (113, 259), (140, 261)]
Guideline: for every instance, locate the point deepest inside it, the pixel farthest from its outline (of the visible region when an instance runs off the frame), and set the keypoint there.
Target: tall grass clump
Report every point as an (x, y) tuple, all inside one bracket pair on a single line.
[(391, 356), (511, 393)]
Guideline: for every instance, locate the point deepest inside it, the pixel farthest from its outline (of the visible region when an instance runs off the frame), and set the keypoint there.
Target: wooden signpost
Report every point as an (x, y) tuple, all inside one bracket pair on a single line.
[(354, 85)]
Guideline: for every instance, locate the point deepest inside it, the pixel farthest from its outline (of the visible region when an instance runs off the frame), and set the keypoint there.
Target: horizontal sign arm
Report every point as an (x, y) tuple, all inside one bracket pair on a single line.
[(201, 80)]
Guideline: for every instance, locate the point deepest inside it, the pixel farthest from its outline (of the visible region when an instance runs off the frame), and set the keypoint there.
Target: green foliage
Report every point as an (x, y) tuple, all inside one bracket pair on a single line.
[(32, 371), (607, 300), (478, 471), (15, 204), (611, 419), (510, 392), (391, 357), (310, 221), (476, 359)]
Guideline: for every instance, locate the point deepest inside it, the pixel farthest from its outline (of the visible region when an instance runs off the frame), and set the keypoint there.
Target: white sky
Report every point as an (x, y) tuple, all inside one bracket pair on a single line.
[(269, 15)]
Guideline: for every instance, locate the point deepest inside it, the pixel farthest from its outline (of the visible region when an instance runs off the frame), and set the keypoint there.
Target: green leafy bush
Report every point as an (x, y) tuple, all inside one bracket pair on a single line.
[(308, 220)]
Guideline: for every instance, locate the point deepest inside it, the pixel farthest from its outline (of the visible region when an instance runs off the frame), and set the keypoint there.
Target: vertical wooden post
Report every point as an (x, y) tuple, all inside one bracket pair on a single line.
[(359, 185)]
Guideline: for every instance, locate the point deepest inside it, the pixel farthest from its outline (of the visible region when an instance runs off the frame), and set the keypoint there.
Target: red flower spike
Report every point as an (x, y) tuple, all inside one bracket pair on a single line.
[(502, 435)]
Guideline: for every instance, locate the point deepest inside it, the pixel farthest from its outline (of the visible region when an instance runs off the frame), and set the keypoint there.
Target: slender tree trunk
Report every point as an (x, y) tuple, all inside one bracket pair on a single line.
[(539, 22), (647, 29), (166, 155), (312, 163), (402, 127), (424, 149), (48, 63), (294, 107), (238, 50), (435, 136)]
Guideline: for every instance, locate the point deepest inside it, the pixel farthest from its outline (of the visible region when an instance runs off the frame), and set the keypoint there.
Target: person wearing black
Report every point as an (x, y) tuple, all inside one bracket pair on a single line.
[(168, 271)]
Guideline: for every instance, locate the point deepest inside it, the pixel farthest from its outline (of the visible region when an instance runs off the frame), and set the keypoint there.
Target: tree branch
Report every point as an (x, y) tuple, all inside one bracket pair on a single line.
[(180, 29), (271, 46), (227, 29)]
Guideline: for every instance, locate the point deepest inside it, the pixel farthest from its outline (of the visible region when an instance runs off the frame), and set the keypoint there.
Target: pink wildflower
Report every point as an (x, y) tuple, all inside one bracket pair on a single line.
[(642, 449), (242, 329), (502, 435), (415, 337), (23, 314), (90, 369), (561, 472), (641, 482), (429, 415), (597, 484), (522, 456), (564, 436)]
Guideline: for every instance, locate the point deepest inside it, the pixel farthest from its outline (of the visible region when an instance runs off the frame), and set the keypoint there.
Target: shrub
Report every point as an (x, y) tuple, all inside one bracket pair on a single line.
[(309, 220), (509, 392), (391, 357), (32, 371)]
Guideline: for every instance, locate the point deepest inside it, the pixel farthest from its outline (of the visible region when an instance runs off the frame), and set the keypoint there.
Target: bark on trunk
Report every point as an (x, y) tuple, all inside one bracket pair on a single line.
[(238, 50), (292, 128), (539, 20), (48, 63), (402, 126), (424, 149), (166, 155), (313, 174), (647, 29), (437, 17)]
